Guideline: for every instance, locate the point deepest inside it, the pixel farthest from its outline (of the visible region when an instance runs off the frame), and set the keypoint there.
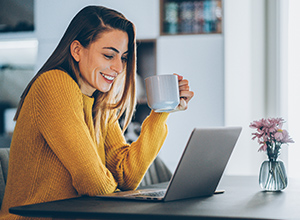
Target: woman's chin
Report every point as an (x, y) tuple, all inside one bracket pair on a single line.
[(104, 89)]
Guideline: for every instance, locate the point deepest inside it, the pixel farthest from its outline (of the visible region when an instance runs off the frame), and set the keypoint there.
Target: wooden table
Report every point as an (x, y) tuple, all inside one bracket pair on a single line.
[(243, 199)]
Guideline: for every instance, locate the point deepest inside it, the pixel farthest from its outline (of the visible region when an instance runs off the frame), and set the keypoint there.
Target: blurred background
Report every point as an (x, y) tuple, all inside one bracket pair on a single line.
[(239, 55)]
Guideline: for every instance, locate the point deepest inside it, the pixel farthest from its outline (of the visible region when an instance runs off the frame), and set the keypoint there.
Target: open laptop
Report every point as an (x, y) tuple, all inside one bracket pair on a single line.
[(199, 170)]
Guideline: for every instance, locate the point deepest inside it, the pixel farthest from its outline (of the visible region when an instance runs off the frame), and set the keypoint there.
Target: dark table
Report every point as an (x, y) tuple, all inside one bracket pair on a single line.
[(243, 199)]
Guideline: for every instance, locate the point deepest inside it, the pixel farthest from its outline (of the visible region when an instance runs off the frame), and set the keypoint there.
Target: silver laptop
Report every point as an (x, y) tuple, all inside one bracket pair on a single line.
[(199, 170)]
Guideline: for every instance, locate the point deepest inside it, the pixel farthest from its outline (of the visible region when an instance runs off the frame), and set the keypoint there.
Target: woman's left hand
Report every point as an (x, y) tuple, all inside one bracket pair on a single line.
[(184, 92)]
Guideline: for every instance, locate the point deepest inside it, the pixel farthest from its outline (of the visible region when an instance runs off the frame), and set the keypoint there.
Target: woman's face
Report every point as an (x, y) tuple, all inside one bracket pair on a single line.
[(102, 61)]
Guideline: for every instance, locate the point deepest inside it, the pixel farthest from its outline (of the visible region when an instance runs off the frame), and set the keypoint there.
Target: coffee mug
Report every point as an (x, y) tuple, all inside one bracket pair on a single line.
[(162, 92)]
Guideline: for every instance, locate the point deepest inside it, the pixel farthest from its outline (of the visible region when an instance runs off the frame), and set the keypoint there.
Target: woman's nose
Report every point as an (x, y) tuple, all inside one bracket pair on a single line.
[(117, 66)]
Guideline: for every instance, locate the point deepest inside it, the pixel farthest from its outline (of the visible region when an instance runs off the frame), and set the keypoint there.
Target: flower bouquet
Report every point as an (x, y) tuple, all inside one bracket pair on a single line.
[(271, 136)]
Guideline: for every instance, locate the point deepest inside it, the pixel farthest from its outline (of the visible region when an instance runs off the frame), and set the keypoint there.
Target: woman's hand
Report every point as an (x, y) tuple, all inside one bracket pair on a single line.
[(184, 92)]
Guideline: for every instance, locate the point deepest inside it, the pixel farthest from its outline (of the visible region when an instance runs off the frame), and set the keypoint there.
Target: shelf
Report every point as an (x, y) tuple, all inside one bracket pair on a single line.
[(181, 17), (184, 34)]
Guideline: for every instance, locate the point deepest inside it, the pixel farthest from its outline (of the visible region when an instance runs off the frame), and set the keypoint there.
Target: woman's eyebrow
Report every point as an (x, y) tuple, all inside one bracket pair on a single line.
[(114, 49)]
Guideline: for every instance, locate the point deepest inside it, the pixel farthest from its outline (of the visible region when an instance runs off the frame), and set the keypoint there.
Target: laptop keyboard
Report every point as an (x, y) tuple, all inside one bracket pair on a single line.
[(154, 194)]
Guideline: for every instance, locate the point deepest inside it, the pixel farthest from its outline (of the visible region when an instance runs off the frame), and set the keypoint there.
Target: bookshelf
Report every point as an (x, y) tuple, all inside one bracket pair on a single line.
[(181, 17)]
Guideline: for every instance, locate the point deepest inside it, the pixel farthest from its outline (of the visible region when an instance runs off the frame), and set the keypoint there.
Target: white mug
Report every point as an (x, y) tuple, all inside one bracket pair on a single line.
[(162, 92)]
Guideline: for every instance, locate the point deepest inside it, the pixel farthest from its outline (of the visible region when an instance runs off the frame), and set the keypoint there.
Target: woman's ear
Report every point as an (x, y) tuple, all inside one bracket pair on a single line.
[(75, 49)]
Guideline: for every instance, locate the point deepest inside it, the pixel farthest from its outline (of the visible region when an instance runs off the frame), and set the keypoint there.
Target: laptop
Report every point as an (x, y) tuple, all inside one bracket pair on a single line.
[(199, 170)]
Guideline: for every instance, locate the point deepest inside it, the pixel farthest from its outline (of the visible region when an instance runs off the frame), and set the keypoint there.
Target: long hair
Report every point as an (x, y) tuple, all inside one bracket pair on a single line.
[(86, 27)]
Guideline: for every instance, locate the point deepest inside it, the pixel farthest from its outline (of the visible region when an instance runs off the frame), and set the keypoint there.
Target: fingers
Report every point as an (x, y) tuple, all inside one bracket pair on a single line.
[(186, 95), (183, 104), (181, 107), (184, 90), (184, 85), (179, 77)]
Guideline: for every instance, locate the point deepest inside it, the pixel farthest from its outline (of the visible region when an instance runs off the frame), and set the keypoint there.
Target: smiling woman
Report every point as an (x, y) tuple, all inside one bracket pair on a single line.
[(102, 61), (67, 140)]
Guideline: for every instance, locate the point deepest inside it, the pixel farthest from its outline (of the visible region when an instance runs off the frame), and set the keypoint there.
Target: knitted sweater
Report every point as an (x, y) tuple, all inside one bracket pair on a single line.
[(54, 154)]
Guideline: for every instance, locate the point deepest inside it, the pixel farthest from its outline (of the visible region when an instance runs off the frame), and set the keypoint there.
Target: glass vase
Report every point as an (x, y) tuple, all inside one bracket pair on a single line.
[(272, 175)]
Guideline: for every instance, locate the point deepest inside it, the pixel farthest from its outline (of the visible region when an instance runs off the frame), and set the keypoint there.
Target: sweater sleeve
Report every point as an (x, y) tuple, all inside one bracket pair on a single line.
[(129, 163), (60, 119)]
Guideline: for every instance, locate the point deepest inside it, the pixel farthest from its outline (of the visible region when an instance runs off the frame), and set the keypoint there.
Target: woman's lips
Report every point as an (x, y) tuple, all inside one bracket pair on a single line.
[(109, 78)]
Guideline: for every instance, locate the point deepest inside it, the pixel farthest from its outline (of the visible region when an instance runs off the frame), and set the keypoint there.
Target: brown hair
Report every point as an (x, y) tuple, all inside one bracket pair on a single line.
[(86, 27)]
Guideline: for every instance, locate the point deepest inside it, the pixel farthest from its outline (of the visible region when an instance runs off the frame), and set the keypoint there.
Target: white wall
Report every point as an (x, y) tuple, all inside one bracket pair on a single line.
[(244, 78), (144, 14), (293, 86), (53, 17), (200, 59), (51, 20)]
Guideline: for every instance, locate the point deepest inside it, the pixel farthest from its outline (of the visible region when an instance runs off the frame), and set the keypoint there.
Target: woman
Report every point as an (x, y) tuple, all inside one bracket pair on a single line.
[(67, 140)]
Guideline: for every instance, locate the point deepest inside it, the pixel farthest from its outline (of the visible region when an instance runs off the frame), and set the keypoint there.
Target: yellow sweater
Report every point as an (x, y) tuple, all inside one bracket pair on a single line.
[(54, 155)]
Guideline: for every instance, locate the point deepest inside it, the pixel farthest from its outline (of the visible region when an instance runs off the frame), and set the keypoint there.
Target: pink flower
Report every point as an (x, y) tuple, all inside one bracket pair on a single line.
[(275, 124), (282, 136), (257, 124), (269, 133)]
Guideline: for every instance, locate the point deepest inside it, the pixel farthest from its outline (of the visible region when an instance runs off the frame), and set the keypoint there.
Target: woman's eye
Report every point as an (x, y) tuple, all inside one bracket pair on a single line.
[(108, 56), (124, 59)]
